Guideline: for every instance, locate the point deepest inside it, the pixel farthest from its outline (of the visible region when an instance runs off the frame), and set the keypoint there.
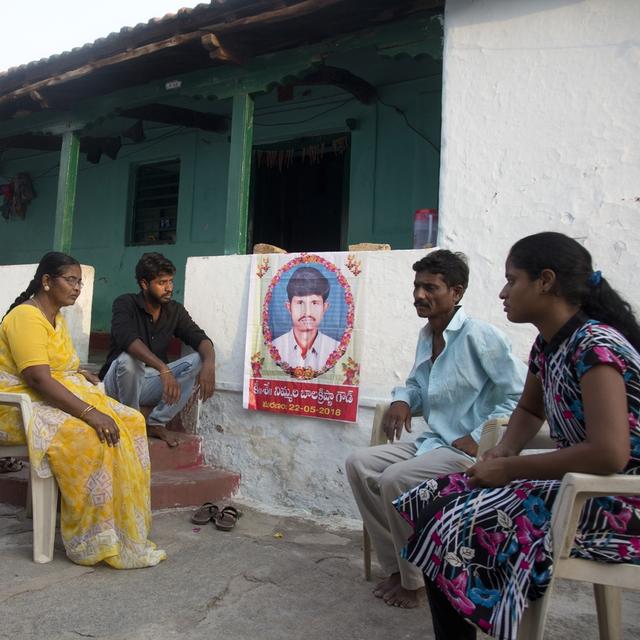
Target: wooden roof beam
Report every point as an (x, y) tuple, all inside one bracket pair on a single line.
[(282, 14), (224, 53), (167, 114), (362, 90), (93, 147), (33, 88)]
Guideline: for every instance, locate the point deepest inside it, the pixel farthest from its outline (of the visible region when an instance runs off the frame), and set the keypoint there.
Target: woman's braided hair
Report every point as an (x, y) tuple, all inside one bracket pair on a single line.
[(53, 264)]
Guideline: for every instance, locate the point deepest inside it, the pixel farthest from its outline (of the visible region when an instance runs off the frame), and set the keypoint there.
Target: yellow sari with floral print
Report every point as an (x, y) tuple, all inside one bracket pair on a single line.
[(105, 494)]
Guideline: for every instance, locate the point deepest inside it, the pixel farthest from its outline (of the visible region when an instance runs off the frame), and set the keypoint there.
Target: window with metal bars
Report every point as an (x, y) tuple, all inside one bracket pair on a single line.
[(154, 209)]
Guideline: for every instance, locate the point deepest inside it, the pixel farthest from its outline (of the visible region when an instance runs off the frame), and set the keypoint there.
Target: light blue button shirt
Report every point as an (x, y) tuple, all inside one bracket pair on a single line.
[(475, 378)]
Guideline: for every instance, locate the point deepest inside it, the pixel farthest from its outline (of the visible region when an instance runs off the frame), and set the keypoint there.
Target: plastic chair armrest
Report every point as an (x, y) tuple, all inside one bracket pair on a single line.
[(23, 401), (575, 490), (378, 436)]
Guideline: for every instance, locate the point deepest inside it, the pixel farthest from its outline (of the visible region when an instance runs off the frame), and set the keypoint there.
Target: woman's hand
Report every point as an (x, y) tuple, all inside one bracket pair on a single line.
[(89, 377), (104, 426), (489, 473), (499, 451)]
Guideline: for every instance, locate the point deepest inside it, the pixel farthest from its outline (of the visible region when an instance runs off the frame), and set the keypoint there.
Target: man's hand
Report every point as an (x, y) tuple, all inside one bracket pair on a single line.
[(170, 387), (467, 445), (491, 473), (207, 380), (398, 416)]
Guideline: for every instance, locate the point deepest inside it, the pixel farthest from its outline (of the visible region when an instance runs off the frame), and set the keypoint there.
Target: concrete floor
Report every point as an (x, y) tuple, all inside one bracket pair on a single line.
[(273, 577)]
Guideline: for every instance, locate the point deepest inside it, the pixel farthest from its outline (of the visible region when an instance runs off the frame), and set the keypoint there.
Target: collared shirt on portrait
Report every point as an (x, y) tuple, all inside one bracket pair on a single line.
[(474, 379), (316, 357)]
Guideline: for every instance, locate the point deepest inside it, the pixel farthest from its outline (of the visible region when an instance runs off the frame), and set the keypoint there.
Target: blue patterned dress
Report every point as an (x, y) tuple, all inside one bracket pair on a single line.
[(489, 550)]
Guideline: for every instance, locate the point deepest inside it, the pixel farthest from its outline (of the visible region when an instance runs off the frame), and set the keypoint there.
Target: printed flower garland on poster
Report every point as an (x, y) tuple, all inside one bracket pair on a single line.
[(307, 373)]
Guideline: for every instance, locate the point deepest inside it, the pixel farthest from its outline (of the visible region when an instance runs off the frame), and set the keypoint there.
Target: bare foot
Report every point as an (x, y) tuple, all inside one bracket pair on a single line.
[(156, 431), (390, 583), (406, 598)]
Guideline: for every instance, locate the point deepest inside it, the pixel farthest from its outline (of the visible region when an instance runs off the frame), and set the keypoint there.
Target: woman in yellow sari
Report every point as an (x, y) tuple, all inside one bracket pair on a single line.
[(95, 447)]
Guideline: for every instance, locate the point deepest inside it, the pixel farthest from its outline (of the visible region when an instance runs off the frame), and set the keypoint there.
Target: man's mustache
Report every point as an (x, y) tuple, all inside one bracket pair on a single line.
[(423, 305)]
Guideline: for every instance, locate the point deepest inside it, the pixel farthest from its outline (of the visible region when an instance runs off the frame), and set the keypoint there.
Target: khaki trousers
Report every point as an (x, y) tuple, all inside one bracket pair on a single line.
[(378, 475)]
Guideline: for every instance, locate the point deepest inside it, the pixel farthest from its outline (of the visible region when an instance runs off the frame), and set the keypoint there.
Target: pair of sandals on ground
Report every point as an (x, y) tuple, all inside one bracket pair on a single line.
[(10, 465), (224, 519)]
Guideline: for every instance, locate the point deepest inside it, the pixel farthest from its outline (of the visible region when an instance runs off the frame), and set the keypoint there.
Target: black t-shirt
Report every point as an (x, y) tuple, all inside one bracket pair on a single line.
[(130, 321)]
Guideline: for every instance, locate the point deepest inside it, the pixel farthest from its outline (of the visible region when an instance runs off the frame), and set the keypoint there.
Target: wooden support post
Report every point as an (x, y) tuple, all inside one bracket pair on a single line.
[(235, 234), (67, 178)]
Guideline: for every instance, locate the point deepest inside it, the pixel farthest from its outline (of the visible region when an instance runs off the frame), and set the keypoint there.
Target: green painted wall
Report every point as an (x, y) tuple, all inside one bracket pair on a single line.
[(393, 172)]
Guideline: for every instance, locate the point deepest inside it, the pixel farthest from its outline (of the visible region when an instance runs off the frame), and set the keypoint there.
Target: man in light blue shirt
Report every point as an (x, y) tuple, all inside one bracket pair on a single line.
[(464, 374)]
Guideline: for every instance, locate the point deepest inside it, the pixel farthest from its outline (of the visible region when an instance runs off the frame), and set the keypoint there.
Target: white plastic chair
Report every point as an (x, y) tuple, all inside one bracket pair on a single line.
[(607, 579), (44, 491)]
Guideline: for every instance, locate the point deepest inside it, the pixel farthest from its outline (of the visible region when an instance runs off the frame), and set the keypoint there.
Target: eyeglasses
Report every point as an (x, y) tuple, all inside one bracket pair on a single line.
[(72, 281)]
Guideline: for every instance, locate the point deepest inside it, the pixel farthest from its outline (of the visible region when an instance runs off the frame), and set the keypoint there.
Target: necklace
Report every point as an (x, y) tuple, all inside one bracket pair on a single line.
[(35, 301), (44, 313)]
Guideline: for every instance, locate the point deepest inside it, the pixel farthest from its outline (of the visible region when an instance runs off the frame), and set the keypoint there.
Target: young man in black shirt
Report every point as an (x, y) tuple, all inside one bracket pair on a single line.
[(136, 372)]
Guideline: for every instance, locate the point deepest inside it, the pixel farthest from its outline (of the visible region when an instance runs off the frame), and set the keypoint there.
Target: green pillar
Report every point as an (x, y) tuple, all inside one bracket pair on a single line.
[(235, 234), (67, 178)]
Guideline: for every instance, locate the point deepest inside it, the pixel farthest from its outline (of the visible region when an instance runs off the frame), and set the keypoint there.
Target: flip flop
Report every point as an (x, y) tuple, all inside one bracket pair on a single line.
[(10, 465), (226, 518), (207, 512)]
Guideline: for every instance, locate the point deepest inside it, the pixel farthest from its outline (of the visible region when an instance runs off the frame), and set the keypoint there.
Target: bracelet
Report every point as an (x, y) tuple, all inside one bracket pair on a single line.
[(166, 372), (86, 410)]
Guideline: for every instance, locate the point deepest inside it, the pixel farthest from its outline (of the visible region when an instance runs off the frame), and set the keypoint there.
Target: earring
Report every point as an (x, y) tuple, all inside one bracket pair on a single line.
[(46, 287)]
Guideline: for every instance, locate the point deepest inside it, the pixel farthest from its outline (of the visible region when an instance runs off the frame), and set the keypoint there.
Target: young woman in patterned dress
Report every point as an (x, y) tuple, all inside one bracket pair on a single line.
[(483, 538)]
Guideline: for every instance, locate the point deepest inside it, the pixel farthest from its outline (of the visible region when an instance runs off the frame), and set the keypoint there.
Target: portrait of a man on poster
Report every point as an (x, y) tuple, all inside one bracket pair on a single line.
[(304, 337)]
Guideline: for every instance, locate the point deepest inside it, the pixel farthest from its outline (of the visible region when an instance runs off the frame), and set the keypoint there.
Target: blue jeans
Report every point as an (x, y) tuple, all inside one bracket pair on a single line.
[(132, 383)]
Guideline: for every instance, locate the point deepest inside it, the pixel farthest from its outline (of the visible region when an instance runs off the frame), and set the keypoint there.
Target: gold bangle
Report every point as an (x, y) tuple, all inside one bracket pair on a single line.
[(166, 372), (86, 410)]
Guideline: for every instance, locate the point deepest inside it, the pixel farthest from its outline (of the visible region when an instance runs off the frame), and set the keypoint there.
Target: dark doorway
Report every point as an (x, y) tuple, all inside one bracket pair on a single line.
[(300, 194)]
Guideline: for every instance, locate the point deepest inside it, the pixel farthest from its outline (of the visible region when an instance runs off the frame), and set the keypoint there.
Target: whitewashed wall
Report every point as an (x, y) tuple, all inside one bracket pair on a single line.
[(541, 131), (285, 460), (15, 279)]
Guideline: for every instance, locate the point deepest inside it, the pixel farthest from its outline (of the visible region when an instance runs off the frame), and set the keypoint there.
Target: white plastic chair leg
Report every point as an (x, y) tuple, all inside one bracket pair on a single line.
[(44, 494), (366, 549), (609, 608), (534, 617)]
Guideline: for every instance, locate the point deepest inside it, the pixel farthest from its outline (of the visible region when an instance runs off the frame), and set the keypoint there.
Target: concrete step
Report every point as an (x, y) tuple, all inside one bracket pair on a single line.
[(187, 454), (192, 487), (169, 488)]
